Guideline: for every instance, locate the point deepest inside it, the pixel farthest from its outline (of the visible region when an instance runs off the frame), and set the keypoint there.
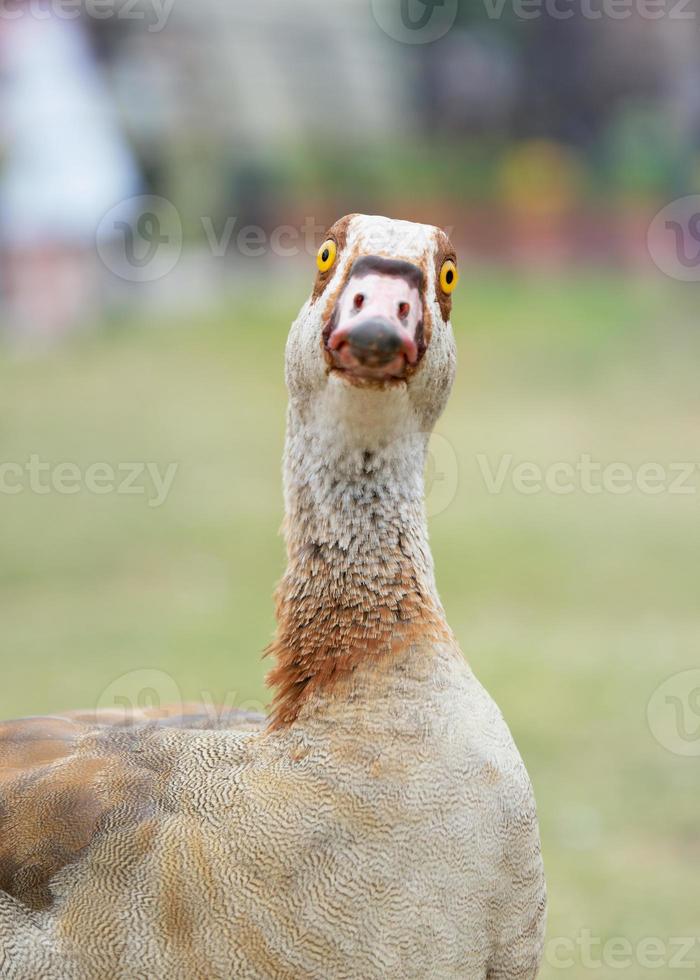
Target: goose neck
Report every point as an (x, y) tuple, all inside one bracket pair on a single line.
[(359, 586)]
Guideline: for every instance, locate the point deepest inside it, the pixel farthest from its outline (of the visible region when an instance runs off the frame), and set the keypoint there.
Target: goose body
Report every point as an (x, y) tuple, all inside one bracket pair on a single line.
[(380, 822)]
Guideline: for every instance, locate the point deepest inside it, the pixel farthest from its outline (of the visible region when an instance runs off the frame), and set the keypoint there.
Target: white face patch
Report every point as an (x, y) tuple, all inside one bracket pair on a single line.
[(392, 239), (422, 396)]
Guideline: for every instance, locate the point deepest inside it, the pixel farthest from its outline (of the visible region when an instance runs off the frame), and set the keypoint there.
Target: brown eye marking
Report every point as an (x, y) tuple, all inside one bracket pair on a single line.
[(444, 250), (337, 233)]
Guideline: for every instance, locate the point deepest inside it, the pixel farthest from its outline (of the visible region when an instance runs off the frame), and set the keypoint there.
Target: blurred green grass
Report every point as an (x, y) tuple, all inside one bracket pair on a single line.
[(571, 609)]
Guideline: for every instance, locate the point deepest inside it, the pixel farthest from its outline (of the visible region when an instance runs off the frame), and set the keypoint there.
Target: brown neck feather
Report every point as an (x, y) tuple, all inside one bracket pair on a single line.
[(359, 585)]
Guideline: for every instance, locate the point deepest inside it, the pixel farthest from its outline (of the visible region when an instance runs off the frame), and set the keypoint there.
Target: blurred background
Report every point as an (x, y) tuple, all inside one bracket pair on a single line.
[(167, 171)]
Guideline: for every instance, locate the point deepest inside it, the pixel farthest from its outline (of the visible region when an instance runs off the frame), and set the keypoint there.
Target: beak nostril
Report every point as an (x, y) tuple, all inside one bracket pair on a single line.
[(403, 310), (359, 301)]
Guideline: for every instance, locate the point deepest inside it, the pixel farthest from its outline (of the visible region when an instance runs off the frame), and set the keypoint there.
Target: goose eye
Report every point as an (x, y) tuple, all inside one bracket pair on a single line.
[(326, 255), (449, 277)]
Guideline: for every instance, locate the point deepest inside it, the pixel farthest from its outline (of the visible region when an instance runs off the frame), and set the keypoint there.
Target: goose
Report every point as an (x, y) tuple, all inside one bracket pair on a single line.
[(379, 822)]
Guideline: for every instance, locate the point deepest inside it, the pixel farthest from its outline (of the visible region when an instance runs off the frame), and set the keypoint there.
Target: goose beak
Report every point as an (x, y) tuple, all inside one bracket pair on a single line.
[(376, 329)]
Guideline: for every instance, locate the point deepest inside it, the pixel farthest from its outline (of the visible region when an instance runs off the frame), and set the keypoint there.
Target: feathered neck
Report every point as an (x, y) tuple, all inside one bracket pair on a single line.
[(359, 585)]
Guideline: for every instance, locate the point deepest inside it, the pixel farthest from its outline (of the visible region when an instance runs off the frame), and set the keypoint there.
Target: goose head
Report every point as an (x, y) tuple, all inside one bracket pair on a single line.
[(372, 355)]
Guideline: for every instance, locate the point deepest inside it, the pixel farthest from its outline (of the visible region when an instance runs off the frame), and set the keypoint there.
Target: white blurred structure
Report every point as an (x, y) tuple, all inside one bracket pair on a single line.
[(270, 73), (65, 165)]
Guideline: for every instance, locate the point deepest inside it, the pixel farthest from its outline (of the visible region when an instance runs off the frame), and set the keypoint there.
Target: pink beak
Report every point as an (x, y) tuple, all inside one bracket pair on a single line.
[(378, 320)]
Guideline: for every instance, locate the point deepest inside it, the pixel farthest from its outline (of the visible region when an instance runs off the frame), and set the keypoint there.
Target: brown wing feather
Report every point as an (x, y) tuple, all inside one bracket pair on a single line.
[(64, 780)]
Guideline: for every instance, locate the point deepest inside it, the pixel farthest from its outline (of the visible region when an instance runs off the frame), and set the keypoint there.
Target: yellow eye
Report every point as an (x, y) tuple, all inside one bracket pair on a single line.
[(449, 277), (326, 255)]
